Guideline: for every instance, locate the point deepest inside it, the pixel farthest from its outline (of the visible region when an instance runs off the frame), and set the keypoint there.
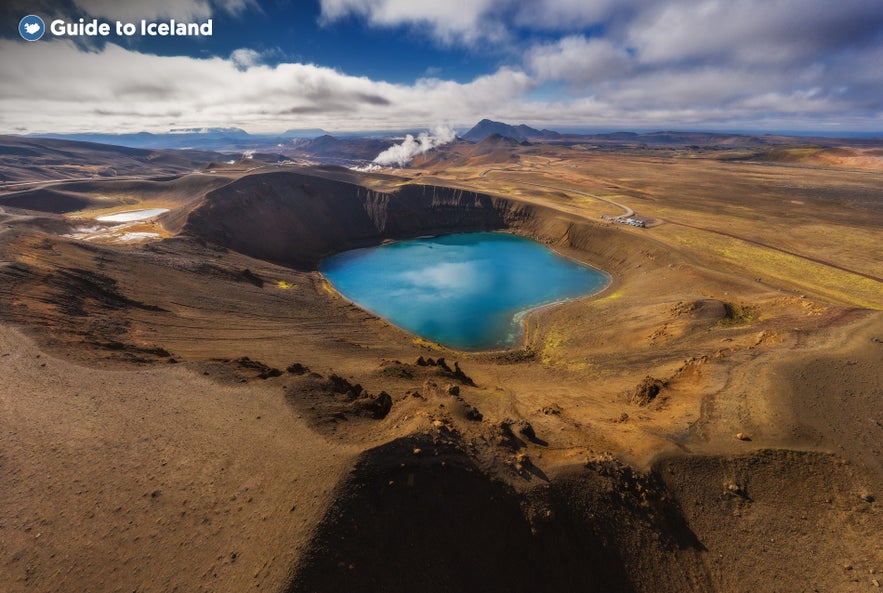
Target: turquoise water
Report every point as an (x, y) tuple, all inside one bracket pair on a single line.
[(467, 291)]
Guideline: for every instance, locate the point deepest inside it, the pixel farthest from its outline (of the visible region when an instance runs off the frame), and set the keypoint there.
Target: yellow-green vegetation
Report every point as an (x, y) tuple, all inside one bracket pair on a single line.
[(796, 272), (793, 154), (738, 314), (284, 285), (553, 341), (610, 295), (417, 341)]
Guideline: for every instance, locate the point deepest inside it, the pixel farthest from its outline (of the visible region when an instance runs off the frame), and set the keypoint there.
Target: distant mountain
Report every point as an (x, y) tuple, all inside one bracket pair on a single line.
[(319, 144), (328, 147), (522, 133), (519, 133), (304, 133), (212, 132), (226, 139), (495, 142), (499, 140), (34, 159)]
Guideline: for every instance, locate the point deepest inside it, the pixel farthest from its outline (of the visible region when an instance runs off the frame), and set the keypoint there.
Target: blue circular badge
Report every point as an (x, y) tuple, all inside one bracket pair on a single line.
[(31, 28)]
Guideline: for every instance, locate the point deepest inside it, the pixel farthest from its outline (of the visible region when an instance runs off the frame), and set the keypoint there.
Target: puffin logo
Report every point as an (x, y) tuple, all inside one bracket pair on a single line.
[(31, 28)]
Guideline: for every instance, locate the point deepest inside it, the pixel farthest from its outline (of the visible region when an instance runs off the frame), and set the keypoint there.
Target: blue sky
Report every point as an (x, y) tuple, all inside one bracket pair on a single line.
[(756, 65), (295, 31)]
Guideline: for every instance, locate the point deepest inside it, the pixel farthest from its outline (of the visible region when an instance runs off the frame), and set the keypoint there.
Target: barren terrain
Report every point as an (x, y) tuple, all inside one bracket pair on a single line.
[(200, 411)]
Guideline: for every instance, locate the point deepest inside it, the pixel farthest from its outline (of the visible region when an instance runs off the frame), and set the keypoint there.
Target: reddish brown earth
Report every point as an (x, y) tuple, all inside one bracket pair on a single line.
[(204, 413)]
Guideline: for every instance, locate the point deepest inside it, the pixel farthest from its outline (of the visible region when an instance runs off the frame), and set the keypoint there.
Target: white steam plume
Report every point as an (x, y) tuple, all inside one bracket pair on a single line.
[(369, 168), (400, 154)]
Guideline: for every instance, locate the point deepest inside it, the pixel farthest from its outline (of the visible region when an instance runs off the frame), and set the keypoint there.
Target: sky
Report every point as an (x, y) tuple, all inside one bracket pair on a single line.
[(275, 65)]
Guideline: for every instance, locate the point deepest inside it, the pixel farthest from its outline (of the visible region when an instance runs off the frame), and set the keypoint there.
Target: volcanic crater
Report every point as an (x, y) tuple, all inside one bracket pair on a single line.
[(240, 409)]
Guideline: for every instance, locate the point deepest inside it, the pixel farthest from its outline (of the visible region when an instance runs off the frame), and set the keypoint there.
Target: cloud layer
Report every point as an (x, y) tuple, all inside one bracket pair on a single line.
[(184, 10), (451, 21), (118, 89), (753, 64)]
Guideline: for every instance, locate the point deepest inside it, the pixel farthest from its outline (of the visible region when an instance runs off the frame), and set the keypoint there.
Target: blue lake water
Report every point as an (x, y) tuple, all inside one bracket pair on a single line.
[(467, 291)]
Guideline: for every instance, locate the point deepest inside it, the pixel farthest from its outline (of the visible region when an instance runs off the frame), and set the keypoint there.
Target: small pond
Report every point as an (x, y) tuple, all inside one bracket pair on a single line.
[(133, 215)]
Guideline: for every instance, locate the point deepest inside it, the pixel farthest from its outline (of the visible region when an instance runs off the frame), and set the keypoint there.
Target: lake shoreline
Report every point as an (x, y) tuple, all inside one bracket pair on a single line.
[(443, 278)]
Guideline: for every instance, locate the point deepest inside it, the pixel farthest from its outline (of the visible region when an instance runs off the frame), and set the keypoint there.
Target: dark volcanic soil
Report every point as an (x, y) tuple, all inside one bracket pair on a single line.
[(734, 523), (422, 502)]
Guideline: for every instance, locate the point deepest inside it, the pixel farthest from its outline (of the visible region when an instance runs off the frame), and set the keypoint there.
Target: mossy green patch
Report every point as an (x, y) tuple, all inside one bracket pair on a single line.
[(738, 314)]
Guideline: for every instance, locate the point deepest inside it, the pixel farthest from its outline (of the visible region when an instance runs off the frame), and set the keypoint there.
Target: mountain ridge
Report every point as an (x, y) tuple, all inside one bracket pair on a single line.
[(519, 133)]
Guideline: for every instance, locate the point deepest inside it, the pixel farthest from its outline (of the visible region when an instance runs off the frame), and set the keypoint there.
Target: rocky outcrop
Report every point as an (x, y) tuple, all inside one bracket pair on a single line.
[(647, 390), (686, 525), (297, 219), (334, 397), (263, 371), (451, 527)]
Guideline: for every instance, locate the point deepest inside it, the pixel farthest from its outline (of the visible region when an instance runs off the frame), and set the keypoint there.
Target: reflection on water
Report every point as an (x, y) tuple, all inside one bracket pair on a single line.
[(132, 215), (465, 290)]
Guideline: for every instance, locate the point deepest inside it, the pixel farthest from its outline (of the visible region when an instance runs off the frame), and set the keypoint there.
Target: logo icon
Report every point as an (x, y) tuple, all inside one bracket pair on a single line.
[(31, 28)]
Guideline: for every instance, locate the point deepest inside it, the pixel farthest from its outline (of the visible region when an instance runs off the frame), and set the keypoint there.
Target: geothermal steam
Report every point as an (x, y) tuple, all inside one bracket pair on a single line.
[(402, 153)]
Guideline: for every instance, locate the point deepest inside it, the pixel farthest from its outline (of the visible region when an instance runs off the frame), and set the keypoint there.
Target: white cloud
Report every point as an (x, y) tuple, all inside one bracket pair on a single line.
[(244, 58), (123, 90), (570, 15), (446, 279), (579, 60), (752, 31), (646, 63), (183, 10), (236, 6), (155, 9), (696, 60), (450, 21)]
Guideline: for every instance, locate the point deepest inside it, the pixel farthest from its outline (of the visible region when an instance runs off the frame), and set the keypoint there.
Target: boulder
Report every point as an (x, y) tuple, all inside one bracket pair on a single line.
[(647, 390)]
